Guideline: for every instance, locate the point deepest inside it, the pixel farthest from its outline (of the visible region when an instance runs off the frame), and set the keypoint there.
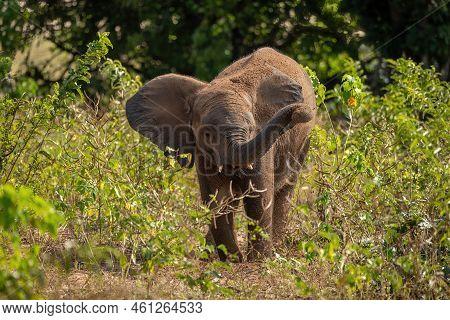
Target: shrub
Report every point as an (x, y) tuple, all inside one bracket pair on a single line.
[(118, 194), (381, 179), (20, 272)]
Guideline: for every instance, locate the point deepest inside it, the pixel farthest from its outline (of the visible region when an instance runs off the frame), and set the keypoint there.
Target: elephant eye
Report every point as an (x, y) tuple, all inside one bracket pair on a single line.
[(208, 133), (208, 136)]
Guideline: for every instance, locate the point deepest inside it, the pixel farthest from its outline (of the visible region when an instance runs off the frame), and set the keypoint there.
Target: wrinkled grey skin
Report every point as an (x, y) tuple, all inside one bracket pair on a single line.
[(247, 133)]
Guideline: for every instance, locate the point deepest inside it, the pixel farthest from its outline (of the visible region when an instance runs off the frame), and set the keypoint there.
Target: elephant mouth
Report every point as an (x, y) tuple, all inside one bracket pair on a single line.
[(232, 169), (217, 163)]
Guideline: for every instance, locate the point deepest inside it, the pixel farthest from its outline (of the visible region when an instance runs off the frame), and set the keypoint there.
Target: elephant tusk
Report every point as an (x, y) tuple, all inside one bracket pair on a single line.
[(220, 168)]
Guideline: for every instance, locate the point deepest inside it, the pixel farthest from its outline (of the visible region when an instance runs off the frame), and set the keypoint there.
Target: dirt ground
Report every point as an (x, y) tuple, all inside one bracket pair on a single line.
[(263, 280)]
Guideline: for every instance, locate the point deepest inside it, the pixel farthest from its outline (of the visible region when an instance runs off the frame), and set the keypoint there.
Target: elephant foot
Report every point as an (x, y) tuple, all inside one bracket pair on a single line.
[(237, 257), (259, 250), (208, 256), (234, 256), (280, 239)]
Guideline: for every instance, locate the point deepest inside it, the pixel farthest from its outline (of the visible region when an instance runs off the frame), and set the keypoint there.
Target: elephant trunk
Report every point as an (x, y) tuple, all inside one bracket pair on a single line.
[(244, 154)]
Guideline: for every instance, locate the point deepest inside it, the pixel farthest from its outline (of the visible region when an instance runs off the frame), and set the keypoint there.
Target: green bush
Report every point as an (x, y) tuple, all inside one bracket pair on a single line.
[(20, 272), (381, 179), (27, 125), (118, 194)]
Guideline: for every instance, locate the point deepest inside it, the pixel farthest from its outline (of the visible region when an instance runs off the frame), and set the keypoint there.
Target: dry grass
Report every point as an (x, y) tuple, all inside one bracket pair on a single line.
[(247, 280), (270, 279)]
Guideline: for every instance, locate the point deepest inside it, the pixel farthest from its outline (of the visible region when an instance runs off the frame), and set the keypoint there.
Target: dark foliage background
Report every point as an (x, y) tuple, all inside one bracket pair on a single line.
[(200, 38)]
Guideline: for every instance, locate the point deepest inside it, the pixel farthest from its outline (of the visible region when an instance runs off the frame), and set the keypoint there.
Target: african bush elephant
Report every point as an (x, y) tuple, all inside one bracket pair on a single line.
[(247, 133)]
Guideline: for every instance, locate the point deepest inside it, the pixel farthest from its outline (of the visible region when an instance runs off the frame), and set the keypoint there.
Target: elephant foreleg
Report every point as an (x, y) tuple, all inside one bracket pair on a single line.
[(222, 206), (283, 196), (259, 208), (259, 230), (223, 233), (281, 209)]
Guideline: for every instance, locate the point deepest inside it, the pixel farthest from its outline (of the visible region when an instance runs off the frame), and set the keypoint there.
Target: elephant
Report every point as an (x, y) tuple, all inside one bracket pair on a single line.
[(246, 131)]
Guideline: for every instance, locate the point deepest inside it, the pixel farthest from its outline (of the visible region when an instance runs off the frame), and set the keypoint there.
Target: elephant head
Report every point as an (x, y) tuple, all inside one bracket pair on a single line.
[(182, 115)]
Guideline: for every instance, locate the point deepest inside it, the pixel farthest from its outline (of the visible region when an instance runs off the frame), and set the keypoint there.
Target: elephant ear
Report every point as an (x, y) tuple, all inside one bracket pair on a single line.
[(160, 112), (279, 90)]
